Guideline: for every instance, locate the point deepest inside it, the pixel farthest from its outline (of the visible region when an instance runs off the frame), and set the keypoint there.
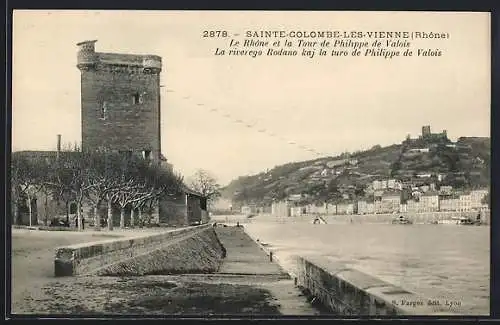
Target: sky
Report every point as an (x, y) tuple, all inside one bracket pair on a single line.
[(305, 108)]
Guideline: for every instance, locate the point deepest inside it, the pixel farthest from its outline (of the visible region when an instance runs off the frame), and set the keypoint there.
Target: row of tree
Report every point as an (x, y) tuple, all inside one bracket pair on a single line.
[(93, 177)]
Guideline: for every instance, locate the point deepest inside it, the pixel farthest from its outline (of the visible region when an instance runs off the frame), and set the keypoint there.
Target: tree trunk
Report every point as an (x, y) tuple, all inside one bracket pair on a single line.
[(17, 219), (110, 215), (132, 221), (30, 210), (122, 217), (79, 215), (97, 218), (67, 212), (139, 210), (46, 221)]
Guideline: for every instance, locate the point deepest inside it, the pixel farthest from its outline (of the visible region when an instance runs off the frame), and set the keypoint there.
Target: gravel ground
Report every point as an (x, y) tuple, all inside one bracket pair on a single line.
[(33, 258), (150, 295)]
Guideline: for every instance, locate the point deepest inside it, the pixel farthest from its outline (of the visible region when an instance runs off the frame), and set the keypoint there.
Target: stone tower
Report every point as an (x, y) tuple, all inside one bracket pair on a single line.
[(426, 131), (120, 98)]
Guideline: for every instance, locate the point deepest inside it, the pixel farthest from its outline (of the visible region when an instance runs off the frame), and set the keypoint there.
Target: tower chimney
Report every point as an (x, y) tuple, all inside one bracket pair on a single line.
[(58, 143)]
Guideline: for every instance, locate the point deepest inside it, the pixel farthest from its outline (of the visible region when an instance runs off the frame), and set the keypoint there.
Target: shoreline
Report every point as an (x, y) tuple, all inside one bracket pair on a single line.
[(445, 218), (414, 258)]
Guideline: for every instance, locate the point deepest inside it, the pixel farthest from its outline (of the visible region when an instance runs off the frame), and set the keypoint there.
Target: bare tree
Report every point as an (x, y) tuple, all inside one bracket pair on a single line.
[(206, 184), (130, 188), (103, 181), (27, 178), (71, 178), (138, 182), (47, 192), (137, 201), (157, 182)]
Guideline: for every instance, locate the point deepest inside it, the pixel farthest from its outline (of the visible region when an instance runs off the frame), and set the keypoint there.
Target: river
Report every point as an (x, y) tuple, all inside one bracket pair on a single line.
[(449, 262)]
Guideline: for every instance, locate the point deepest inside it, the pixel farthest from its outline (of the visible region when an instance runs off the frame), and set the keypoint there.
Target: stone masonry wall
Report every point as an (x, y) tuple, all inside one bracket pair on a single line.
[(347, 291), (201, 252), (127, 126), (191, 249)]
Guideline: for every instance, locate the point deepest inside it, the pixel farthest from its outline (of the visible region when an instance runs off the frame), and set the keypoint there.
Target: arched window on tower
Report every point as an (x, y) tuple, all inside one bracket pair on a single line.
[(137, 98), (104, 111)]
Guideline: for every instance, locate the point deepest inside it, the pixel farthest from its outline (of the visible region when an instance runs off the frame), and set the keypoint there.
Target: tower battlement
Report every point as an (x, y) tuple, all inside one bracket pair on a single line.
[(88, 59)]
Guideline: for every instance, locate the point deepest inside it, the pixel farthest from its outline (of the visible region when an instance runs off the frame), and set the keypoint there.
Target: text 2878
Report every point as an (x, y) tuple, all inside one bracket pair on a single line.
[(214, 33)]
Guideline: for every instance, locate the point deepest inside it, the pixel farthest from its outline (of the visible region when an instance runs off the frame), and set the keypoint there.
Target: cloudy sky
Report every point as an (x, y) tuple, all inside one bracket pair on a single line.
[(303, 107)]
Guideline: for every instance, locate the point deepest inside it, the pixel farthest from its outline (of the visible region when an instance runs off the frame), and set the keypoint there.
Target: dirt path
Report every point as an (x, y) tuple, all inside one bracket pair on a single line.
[(244, 256), (33, 259)]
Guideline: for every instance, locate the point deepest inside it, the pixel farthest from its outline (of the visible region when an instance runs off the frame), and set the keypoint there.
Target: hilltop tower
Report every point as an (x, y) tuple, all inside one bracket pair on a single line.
[(120, 101), (426, 131)]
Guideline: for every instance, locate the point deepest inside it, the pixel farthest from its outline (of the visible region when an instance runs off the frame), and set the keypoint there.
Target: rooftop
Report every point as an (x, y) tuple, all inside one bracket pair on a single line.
[(187, 190)]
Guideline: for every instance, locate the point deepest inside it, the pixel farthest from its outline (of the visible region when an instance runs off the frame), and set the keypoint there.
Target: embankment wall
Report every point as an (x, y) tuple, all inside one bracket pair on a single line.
[(186, 250), (347, 291)]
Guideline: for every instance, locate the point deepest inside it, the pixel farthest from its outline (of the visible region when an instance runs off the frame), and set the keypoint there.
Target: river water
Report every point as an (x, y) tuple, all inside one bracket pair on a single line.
[(440, 262)]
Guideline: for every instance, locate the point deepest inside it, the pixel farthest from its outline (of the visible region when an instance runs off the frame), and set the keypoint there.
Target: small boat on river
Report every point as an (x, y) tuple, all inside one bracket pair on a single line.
[(468, 221), (402, 220)]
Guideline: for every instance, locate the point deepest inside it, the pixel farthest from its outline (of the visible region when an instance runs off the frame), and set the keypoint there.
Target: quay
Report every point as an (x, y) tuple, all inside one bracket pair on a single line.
[(245, 283), (208, 270)]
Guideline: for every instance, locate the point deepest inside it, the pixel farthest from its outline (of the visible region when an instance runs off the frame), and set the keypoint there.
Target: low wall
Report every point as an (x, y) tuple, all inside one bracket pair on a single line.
[(186, 250), (347, 291)]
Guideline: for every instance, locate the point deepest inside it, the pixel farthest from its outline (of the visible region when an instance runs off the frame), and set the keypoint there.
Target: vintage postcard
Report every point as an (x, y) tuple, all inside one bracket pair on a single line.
[(250, 163)]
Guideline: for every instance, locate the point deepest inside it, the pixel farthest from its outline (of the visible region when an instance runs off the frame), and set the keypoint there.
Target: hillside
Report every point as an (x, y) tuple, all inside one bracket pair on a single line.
[(464, 164)]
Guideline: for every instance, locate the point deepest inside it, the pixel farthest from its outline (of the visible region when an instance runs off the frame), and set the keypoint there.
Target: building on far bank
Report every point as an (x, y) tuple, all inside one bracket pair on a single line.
[(249, 209), (449, 204), (297, 211), (365, 207), (379, 185), (465, 202), (429, 202), (345, 208), (477, 197), (389, 203), (280, 209), (403, 208)]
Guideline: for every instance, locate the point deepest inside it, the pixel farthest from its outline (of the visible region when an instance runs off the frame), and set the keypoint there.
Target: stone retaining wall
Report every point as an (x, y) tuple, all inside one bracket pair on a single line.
[(347, 291), (143, 254)]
